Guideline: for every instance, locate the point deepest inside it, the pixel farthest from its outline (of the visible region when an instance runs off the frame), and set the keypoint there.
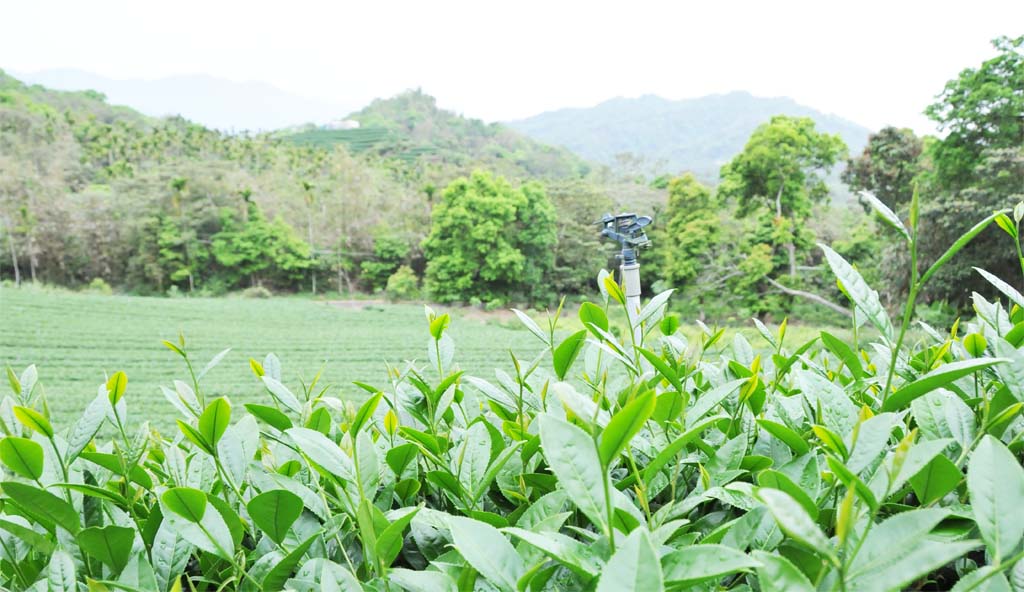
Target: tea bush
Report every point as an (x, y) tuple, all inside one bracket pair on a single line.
[(643, 463)]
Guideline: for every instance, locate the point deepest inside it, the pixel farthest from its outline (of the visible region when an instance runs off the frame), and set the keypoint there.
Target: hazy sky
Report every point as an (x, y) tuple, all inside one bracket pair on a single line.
[(875, 62)]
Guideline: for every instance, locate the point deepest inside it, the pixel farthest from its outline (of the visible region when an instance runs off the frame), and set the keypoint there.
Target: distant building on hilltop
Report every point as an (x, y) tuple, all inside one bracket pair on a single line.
[(342, 124)]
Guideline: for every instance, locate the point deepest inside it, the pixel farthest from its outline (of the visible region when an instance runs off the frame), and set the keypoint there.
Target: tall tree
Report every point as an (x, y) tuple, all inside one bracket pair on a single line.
[(489, 239), (260, 249), (687, 230), (887, 167), (981, 109), (781, 170)]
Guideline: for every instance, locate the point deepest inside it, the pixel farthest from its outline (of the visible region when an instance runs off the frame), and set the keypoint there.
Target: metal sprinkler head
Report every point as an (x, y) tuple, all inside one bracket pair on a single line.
[(628, 231)]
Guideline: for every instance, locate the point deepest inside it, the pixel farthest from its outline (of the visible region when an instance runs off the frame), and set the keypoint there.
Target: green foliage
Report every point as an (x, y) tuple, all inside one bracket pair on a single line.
[(403, 284), (651, 463), (388, 254), (100, 286), (779, 169), (412, 131), (887, 167), (256, 249), (1000, 185), (980, 110), (688, 230), (488, 239)]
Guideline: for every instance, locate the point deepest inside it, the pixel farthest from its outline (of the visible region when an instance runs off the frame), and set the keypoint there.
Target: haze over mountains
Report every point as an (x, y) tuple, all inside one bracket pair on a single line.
[(214, 102), (698, 134)]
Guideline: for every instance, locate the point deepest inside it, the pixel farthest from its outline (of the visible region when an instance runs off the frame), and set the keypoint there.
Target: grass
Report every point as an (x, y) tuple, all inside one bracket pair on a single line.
[(76, 340)]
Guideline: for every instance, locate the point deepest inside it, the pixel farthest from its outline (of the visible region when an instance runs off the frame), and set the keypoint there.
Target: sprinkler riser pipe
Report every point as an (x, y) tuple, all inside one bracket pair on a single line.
[(630, 273)]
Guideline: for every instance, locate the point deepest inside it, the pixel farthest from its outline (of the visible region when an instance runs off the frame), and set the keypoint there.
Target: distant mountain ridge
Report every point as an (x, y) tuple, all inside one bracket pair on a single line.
[(214, 102), (698, 135)]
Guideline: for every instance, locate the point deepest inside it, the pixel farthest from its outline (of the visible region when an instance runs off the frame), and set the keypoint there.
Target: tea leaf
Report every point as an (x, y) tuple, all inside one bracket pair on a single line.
[(34, 420), (623, 426), (995, 483), (488, 551), (422, 581), (186, 502), (566, 352), (60, 575), (532, 326), (215, 420), (42, 507), (937, 378), (796, 523), (955, 248), (322, 451), (23, 456), (274, 512), (777, 574), (700, 563), (116, 385), (566, 550), (859, 292), (592, 314), (1008, 290), (573, 458), (112, 545), (634, 567), (885, 213)]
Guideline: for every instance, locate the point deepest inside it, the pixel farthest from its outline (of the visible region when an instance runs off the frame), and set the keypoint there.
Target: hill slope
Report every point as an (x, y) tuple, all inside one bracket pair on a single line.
[(698, 135), (413, 130), (214, 102)]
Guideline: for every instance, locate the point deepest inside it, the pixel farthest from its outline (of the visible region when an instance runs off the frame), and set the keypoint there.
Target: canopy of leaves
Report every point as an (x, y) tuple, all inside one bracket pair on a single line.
[(981, 109), (488, 238), (887, 167)]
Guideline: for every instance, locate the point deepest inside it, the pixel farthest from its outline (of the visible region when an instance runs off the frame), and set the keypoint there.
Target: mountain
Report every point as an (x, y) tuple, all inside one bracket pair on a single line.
[(214, 102), (412, 130), (698, 135)]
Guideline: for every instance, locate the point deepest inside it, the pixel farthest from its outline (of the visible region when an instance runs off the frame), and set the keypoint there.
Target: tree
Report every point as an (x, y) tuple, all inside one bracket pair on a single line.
[(781, 171), (946, 216), (259, 249), (389, 252), (982, 109), (887, 167), (687, 230), (489, 240), (579, 251)]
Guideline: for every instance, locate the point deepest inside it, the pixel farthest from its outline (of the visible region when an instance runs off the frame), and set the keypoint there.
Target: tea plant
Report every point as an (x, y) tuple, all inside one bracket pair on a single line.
[(604, 463)]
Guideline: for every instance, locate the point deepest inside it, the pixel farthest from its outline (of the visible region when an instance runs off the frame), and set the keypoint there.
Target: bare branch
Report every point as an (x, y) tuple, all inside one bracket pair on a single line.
[(809, 296)]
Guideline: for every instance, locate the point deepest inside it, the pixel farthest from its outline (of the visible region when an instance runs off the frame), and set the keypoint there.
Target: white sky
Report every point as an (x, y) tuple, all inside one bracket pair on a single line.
[(874, 62)]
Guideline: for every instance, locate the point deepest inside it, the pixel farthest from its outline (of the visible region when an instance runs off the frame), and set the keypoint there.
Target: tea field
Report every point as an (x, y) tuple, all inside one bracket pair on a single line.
[(76, 340)]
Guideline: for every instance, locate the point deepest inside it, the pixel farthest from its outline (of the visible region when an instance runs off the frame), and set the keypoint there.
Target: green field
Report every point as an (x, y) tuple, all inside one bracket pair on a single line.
[(76, 339)]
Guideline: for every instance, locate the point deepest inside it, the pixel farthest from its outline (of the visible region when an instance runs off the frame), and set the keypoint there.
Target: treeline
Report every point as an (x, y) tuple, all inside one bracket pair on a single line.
[(92, 191), (155, 206), (750, 244)]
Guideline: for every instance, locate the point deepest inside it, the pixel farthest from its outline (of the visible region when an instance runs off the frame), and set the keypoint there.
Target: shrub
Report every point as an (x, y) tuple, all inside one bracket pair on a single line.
[(403, 284), (99, 286), (645, 463), (257, 292)]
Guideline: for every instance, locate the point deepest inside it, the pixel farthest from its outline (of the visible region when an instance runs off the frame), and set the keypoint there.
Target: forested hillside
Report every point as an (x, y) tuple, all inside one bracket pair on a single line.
[(411, 128), (697, 135), (421, 202), (91, 190)]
